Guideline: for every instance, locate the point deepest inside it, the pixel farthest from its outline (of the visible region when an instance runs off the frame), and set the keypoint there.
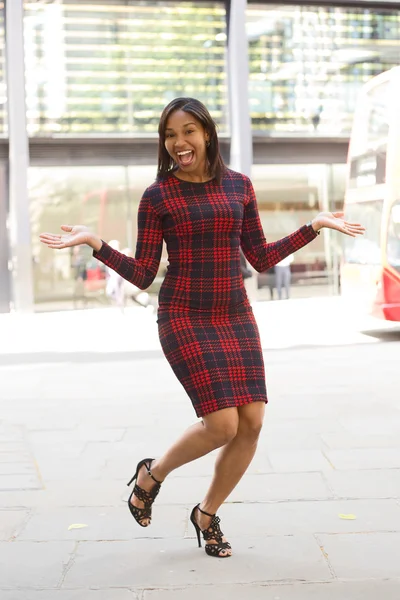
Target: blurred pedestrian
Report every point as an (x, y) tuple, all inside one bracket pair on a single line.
[(78, 267), (204, 212), (283, 276), (271, 282)]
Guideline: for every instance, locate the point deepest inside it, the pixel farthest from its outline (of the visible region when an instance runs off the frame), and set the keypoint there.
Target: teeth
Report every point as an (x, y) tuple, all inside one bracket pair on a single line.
[(183, 153)]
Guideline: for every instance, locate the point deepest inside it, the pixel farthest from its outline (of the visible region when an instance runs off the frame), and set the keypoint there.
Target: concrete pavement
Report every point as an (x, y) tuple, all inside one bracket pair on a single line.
[(84, 395)]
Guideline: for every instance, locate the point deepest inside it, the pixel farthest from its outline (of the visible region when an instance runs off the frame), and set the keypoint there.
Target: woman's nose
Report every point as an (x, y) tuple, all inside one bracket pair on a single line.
[(179, 141)]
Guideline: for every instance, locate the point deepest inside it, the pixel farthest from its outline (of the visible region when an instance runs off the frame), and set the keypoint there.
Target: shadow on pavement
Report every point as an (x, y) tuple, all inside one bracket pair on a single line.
[(388, 335)]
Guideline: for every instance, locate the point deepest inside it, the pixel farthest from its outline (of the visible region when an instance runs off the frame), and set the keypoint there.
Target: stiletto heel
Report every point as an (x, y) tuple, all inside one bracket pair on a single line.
[(195, 525), (141, 514), (213, 532)]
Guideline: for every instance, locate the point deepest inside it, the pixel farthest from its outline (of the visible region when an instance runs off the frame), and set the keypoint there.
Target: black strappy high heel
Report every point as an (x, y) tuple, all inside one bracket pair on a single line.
[(140, 514), (213, 532)]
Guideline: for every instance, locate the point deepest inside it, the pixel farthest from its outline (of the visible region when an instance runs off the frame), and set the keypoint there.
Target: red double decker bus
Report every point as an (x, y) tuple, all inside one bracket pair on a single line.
[(370, 271)]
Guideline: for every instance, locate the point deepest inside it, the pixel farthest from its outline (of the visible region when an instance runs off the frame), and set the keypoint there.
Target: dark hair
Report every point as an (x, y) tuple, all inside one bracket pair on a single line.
[(166, 164)]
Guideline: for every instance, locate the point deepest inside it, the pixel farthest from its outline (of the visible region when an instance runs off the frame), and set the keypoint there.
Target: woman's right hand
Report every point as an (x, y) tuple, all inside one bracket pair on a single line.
[(75, 236)]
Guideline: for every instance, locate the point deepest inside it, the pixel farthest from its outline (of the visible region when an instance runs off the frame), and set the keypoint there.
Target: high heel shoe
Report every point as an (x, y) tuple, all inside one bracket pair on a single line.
[(213, 532), (142, 514)]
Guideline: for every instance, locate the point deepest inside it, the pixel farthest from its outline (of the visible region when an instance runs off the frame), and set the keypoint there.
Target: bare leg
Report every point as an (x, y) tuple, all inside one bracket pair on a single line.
[(217, 429), (233, 461)]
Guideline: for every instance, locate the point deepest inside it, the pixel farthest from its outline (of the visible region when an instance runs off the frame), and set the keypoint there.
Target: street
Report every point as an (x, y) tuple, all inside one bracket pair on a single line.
[(84, 395)]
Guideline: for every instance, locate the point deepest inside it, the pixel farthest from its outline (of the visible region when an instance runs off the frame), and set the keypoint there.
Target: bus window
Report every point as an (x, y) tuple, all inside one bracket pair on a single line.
[(378, 118), (393, 238), (365, 249), (369, 138)]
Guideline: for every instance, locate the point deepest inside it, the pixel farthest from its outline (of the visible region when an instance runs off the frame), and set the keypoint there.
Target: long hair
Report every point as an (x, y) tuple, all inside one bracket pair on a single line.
[(216, 166)]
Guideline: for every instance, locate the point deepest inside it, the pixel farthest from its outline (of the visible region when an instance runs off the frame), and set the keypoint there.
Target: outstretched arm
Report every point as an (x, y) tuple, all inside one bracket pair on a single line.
[(263, 256), (141, 270), (259, 253)]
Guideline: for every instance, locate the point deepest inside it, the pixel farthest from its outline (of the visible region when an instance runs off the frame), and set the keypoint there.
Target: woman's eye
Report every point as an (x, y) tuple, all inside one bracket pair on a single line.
[(190, 131), (169, 135)]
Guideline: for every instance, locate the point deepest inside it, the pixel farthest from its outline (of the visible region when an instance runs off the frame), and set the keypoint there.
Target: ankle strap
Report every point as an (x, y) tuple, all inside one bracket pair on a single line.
[(204, 512), (151, 474)]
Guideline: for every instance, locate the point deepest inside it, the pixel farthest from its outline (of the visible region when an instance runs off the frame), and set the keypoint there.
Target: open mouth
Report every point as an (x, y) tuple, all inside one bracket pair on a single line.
[(185, 158)]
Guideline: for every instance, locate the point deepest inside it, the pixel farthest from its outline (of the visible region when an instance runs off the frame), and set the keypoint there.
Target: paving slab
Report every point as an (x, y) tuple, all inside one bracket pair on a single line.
[(67, 492), (285, 518), (81, 594), (83, 434), (369, 483), (28, 481), (33, 564), (52, 452), (367, 458), (363, 555), (375, 423), (13, 452), (17, 468), (160, 563), (11, 521), (341, 441), (291, 461), (346, 590), (104, 523), (53, 469), (300, 440)]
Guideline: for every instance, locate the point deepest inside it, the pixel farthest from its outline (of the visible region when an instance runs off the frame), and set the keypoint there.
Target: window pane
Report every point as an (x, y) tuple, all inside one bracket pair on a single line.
[(393, 239), (365, 249), (92, 196), (307, 63), (106, 199), (111, 67), (289, 196)]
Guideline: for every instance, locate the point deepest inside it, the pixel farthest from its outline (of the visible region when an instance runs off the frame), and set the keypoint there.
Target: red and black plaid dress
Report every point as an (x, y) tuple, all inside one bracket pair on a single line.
[(206, 325)]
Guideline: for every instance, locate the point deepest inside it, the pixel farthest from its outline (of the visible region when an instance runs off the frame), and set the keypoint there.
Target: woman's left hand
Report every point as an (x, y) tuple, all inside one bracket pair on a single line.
[(336, 221)]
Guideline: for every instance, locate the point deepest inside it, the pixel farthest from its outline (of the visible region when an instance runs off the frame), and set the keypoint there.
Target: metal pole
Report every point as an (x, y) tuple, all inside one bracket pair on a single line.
[(5, 280), (20, 229), (241, 158)]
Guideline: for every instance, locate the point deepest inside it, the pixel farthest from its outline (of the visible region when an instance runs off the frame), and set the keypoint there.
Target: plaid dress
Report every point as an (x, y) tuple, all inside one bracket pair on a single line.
[(206, 325)]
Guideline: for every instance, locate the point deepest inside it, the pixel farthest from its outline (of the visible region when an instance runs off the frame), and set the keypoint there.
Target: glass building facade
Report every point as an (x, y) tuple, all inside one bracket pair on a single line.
[(307, 64), (98, 69), (111, 67)]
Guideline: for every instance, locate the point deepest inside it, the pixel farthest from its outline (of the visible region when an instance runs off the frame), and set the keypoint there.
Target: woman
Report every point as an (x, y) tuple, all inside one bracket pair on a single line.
[(205, 212)]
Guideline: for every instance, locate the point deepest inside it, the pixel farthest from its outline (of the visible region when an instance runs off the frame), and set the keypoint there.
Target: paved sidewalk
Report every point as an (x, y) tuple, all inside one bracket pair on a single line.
[(84, 395)]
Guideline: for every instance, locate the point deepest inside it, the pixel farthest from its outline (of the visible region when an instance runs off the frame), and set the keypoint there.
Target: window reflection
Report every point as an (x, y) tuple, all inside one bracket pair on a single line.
[(289, 196), (111, 67), (106, 200), (307, 63)]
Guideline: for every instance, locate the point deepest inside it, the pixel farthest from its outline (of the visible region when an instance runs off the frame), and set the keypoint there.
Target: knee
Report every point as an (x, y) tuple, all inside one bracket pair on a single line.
[(250, 429), (224, 433)]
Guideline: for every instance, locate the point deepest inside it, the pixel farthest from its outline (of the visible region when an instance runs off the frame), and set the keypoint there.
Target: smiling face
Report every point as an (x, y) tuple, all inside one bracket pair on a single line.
[(185, 141)]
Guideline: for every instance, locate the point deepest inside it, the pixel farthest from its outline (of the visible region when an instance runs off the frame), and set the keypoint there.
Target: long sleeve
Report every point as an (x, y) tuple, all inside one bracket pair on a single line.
[(142, 269), (259, 253)]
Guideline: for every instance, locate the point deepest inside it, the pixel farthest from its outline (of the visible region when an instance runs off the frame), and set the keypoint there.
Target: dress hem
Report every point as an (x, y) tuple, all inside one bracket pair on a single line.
[(234, 403)]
